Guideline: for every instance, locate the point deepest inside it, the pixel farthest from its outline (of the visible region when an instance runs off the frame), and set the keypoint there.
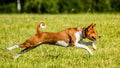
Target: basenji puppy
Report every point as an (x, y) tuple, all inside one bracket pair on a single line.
[(68, 37)]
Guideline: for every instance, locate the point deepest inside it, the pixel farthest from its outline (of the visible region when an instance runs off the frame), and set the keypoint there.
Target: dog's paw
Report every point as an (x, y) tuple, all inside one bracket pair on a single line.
[(8, 49), (14, 57), (94, 47)]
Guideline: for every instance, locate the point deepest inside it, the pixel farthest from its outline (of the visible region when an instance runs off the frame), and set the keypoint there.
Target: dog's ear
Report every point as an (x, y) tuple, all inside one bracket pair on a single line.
[(91, 26)]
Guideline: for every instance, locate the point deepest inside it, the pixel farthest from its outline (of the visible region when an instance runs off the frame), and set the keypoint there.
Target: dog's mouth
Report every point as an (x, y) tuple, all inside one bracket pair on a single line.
[(93, 39)]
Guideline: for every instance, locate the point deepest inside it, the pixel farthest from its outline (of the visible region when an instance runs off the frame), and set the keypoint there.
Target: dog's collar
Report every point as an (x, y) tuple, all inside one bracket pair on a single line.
[(84, 32)]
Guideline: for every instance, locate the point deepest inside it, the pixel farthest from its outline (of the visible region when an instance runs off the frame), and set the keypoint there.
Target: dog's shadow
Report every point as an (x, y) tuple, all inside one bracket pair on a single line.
[(51, 56)]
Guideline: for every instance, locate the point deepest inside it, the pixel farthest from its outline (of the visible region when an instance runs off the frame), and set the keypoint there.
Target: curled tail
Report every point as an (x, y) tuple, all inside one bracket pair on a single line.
[(41, 24)]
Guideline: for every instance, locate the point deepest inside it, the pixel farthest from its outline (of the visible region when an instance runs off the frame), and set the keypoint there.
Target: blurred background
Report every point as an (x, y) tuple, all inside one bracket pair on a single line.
[(59, 6)]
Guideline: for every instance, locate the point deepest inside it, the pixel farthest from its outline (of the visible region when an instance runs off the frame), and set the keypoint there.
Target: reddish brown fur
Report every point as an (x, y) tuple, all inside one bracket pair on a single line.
[(91, 33), (52, 37)]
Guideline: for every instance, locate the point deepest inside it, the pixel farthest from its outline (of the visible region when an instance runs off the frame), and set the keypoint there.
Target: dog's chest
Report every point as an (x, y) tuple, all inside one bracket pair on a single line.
[(78, 36)]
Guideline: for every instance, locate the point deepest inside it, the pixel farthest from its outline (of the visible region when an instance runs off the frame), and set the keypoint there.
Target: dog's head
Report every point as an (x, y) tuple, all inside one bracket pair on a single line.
[(91, 33)]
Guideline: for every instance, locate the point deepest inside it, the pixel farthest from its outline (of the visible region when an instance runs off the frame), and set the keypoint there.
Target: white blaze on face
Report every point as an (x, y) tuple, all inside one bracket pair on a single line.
[(63, 43)]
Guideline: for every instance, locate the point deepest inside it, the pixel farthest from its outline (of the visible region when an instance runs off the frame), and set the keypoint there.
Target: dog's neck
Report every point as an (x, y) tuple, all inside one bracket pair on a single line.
[(84, 32)]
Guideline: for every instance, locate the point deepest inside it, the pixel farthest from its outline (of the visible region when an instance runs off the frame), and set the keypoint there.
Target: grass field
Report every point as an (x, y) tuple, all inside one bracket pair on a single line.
[(16, 28)]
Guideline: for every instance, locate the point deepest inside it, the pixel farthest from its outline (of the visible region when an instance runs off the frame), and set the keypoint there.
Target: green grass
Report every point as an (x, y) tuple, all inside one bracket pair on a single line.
[(16, 28)]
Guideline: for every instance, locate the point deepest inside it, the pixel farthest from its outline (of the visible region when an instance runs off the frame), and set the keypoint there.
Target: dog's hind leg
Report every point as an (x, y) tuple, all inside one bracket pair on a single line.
[(12, 47), (22, 52)]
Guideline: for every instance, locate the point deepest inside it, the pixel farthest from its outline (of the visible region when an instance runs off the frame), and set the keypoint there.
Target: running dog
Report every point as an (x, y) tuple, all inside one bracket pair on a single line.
[(68, 37)]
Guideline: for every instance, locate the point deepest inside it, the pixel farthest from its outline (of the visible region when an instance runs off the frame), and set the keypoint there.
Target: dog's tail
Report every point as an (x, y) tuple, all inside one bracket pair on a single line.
[(41, 24)]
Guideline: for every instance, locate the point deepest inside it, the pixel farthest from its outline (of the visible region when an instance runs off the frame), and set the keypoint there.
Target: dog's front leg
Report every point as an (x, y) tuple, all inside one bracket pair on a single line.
[(90, 43), (93, 45), (85, 47)]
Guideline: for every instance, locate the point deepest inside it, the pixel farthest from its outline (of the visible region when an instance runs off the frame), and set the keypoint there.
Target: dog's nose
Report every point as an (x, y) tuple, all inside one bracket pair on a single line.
[(99, 36)]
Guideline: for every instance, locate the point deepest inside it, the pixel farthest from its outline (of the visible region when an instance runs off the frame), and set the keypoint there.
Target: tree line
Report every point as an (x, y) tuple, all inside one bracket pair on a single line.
[(58, 6)]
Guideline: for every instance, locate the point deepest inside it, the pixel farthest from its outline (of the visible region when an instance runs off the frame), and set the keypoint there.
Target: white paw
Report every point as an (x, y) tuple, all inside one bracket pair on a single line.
[(14, 57), (90, 53), (94, 47), (8, 49)]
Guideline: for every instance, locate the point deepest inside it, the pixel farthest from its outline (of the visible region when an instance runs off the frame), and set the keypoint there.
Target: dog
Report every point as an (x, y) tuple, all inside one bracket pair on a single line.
[(68, 37)]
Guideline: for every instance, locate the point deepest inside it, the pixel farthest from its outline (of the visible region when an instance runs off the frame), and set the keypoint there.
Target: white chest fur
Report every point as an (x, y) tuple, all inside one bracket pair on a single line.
[(78, 36)]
